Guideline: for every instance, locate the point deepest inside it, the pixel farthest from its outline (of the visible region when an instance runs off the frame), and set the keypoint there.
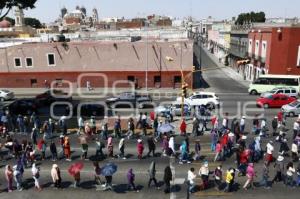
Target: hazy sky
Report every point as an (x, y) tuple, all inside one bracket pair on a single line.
[(49, 10)]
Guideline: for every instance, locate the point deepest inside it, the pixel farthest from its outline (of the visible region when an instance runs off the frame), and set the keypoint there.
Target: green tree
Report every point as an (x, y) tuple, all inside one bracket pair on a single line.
[(7, 5), (33, 22), (250, 17), (11, 20)]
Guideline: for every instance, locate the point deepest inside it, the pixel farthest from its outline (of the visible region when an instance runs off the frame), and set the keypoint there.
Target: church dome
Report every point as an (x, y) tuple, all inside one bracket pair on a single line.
[(5, 24)]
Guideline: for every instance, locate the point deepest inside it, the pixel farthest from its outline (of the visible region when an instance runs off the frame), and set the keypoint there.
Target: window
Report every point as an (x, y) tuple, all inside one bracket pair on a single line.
[(157, 79), (131, 78), (18, 62), (33, 82), (280, 91), (264, 49), (287, 91), (298, 59), (256, 47), (177, 79), (250, 46), (294, 91), (29, 62), (59, 82), (51, 59)]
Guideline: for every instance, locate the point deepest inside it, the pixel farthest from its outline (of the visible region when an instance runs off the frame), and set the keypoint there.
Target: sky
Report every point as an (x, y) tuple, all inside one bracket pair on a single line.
[(49, 10)]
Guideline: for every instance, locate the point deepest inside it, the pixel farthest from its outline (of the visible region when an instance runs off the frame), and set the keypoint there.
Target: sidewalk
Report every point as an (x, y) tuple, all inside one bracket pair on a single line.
[(230, 72), (97, 92)]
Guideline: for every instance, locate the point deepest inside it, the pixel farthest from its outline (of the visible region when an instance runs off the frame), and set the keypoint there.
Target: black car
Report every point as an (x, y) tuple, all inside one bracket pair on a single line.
[(51, 96), (87, 110), (22, 106), (129, 100)]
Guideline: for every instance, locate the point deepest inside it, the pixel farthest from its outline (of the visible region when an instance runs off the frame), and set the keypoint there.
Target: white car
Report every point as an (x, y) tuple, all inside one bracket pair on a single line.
[(208, 99), (291, 109), (292, 92), (6, 95)]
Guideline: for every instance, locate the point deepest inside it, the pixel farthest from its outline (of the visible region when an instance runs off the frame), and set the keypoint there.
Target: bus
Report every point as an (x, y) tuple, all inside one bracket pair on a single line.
[(266, 83)]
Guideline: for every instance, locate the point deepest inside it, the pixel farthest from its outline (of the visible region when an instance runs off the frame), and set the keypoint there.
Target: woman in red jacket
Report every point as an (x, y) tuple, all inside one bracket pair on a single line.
[(140, 148), (183, 127), (67, 149)]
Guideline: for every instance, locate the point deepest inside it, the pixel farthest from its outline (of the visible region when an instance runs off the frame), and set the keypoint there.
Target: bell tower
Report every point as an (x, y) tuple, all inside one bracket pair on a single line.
[(19, 17)]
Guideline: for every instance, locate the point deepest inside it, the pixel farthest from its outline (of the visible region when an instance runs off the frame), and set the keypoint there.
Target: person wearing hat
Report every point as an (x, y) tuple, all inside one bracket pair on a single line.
[(204, 173), (275, 125), (279, 169)]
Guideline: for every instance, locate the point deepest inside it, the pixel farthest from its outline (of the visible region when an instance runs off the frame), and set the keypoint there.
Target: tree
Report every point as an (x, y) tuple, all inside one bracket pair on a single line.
[(11, 20), (33, 22), (250, 17), (7, 5)]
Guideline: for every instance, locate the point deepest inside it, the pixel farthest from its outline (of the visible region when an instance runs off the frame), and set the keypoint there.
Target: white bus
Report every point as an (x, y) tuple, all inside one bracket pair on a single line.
[(266, 83)]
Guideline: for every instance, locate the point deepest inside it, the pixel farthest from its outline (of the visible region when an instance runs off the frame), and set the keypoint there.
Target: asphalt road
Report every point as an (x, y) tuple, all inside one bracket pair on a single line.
[(233, 97)]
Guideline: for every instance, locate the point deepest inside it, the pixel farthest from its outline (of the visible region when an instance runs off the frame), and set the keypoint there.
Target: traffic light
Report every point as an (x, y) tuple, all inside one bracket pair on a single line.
[(184, 90)]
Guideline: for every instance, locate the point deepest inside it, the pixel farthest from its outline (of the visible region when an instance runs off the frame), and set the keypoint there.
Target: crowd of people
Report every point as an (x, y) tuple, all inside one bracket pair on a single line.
[(227, 141)]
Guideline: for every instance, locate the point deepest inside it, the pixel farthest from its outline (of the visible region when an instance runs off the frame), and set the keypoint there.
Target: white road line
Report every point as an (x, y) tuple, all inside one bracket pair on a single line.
[(172, 161)]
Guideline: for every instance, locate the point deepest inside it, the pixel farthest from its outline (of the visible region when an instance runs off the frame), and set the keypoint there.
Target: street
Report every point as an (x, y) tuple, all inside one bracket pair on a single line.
[(234, 100)]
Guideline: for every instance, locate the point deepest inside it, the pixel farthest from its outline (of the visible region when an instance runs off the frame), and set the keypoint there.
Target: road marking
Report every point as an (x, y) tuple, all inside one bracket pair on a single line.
[(172, 161)]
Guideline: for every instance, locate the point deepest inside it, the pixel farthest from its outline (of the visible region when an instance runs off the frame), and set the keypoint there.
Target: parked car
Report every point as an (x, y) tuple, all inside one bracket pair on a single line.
[(292, 92), (208, 99), (51, 96), (274, 101), (22, 106), (163, 110), (129, 99), (6, 95), (291, 109), (87, 110)]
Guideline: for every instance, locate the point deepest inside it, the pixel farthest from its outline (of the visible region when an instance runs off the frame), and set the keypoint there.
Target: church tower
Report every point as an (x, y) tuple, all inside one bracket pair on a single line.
[(95, 16), (19, 17)]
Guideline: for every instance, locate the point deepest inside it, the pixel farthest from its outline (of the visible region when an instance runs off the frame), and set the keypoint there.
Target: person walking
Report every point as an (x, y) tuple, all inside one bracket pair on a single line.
[(191, 180), (130, 180), (230, 175), (67, 149), (214, 139), (219, 149), (183, 127), (197, 155), (110, 147), (18, 177), (55, 174), (290, 171), (76, 179), (250, 176), (117, 128), (167, 179), (34, 136), (130, 127), (20, 123), (275, 125), (93, 125), (84, 147), (97, 174), (152, 173), (9, 178), (122, 148), (295, 150), (151, 146), (265, 176), (296, 128), (172, 146), (218, 177), (204, 173), (36, 176), (242, 125), (99, 148), (80, 125), (53, 151), (140, 148), (104, 132), (269, 155), (279, 169), (195, 126)]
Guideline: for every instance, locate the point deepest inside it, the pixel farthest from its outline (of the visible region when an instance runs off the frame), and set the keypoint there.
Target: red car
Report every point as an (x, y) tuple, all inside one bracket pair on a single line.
[(274, 101)]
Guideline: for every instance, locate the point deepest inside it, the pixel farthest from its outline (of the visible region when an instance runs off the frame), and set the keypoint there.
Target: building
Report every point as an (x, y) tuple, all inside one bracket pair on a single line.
[(104, 63), (274, 50)]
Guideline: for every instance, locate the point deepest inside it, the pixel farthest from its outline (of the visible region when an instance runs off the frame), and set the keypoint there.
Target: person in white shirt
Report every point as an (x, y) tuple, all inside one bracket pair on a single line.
[(263, 125), (204, 173), (270, 149), (80, 125), (242, 124), (191, 179), (294, 151), (289, 174), (296, 128)]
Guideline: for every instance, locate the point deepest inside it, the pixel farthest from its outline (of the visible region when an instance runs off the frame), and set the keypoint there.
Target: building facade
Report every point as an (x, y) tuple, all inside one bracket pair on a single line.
[(104, 64), (275, 50)]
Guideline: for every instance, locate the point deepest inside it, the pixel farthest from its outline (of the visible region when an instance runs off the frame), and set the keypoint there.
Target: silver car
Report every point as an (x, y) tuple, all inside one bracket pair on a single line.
[(291, 109), (6, 95)]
